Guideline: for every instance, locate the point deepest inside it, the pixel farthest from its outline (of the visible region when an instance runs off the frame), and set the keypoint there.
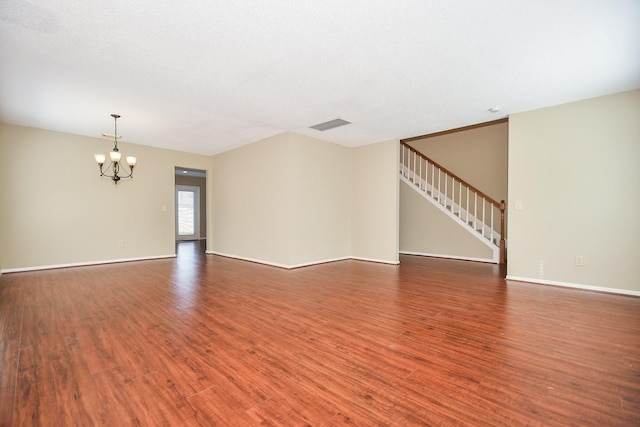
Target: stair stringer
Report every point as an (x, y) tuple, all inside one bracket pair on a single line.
[(495, 250)]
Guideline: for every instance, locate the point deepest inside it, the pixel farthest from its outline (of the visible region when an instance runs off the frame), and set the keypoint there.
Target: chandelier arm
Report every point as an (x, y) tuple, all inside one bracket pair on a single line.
[(121, 172), (129, 174), (103, 172)]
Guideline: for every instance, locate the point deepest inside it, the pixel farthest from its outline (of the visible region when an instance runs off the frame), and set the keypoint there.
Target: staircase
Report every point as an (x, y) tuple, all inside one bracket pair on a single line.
[(471, 208)]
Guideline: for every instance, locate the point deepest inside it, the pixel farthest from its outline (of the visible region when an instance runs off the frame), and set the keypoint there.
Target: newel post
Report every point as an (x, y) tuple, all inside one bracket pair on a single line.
[(503, 247)]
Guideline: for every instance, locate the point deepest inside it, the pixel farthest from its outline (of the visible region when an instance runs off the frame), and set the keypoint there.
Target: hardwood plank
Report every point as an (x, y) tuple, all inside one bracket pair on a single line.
[(76, 393), (11, 314), (122, 406), (35, 400), (212, 341)]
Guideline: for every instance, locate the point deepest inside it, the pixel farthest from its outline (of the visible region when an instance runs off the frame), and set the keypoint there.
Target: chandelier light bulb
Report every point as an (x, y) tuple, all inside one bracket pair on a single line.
[(115, 156)]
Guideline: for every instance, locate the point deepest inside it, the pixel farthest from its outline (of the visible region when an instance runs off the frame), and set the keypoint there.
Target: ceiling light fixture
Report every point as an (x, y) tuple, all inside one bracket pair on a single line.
[(115, 157)]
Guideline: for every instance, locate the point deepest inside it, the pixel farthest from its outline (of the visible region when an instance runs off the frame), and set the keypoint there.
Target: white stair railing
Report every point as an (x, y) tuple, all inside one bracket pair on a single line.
[(477, 211)]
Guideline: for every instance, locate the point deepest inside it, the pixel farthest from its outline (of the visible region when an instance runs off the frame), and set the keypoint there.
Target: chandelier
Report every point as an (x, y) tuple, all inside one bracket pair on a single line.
[(115, 171)]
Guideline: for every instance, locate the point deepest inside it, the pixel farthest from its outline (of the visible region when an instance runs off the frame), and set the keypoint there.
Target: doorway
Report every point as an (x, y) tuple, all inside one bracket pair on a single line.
[(190, 205)]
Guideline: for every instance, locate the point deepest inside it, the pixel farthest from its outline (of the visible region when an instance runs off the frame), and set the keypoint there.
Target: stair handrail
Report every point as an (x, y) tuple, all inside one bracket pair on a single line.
[(447, 171), (500, 205)]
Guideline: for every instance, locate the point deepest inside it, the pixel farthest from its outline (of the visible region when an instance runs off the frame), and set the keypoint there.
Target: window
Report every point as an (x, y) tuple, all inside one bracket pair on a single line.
[(187, 212)]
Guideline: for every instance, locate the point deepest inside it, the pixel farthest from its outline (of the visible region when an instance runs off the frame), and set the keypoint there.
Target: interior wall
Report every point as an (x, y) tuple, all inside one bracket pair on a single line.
[(573, 168), (292, 200), (201, 183), (251, 201), (283, 200), (61, 212), (478, 155), (375, 200), (320, 200)]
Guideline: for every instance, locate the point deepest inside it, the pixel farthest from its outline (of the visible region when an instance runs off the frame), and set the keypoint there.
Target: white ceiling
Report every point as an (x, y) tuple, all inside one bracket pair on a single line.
[(205, 76)]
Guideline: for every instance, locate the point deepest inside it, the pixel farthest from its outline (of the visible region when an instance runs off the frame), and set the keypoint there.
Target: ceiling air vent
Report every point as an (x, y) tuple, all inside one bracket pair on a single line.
[(330, 125)]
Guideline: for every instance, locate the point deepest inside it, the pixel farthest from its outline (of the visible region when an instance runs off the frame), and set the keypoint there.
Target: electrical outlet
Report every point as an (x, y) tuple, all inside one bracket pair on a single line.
[(579, 260), (121, 243)]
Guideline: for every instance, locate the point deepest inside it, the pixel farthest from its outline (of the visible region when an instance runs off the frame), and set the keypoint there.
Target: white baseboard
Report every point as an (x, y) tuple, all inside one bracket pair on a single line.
[(83, 264), (378, 261), (574, 285), (292, 266), (462, 258)]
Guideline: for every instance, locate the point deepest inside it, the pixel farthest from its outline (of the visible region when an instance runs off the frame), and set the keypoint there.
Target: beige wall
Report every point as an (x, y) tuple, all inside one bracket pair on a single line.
[(478, 155), (320, 200), (375, 199), (283, 200), (201, 183), (574, 168), (56, 210), (292, 200), (251, 201)]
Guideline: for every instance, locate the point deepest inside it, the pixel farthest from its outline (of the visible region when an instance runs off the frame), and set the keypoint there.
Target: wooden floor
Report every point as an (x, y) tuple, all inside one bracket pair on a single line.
[(211, 341)]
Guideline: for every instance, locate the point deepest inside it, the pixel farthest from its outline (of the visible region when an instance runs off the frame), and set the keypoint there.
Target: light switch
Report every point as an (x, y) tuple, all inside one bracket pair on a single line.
[(518, 205)]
